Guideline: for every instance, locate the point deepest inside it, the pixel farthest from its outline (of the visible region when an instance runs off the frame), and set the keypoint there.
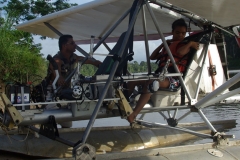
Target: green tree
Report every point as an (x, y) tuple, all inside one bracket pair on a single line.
[(29, 9), (88, 70), (143, 66), (19, 56), (154, 66), (134, 67)]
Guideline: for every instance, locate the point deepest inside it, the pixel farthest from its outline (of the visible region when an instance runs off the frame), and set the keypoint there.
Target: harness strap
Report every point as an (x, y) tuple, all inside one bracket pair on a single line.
[(164, 57)]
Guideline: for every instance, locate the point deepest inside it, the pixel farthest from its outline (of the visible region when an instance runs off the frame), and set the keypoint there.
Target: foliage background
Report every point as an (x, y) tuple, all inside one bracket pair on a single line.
[(20, 57), (133, 67)]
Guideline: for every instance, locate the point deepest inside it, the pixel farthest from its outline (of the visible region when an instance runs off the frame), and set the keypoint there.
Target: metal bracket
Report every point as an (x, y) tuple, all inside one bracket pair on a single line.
[(14, 113), (123, 103), (193, 102), (116, 57), (222, 138), (172, 122), (193, 109), (111, 105), (50, 129), (136, 125), (85, 151)]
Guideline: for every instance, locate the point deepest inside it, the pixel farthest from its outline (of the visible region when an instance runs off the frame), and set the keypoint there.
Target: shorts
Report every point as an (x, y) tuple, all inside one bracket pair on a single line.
[(174, 83)]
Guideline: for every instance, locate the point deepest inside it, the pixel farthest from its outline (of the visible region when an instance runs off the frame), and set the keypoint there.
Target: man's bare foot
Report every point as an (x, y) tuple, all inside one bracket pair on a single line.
[(131, 117)]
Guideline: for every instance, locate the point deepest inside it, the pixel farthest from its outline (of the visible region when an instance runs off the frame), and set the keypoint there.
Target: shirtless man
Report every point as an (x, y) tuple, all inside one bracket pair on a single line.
[(66, 60)]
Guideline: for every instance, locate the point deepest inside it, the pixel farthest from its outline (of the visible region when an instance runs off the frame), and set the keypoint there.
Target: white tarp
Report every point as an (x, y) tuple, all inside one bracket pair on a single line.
[(222, 12), (208, 83), (96, 18)]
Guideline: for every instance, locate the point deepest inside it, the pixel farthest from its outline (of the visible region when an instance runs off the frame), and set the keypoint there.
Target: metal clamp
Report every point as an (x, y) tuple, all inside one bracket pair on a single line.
[(116, 57), (85, 151), (49, 129), (221, 138)]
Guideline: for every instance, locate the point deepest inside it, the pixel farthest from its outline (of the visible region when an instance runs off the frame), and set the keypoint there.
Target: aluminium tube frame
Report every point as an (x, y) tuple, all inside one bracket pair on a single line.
[(182, 11), (183, 116), (168, 51), (147, 77), (60, 102), (225, 56), (214, 25), (152, 125), (175, 113), (206, 121), (142, 116), (164, 116), (113, 70), (60, 34), (211, 98), (169, 114), (166, 108), (105, 44), (111, 30), (222, 97), (204, 101), (205, 51), (146, 39)]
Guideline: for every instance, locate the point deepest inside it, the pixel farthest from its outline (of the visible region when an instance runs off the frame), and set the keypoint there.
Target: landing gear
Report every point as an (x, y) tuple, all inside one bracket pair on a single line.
[(85, 151), (221, 138), (172, 122)]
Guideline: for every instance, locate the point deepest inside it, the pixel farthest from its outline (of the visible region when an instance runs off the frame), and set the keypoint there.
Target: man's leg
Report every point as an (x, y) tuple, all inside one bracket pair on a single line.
[(132, 84), (164, 84), (144, 98)]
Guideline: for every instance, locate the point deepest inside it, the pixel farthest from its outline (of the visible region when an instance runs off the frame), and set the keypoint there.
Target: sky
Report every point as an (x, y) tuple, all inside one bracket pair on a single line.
[(50, 46)]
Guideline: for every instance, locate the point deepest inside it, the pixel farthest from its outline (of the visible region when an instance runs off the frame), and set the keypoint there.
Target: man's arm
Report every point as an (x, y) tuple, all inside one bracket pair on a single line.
[(155, 55), (186, 48), (90, 61)]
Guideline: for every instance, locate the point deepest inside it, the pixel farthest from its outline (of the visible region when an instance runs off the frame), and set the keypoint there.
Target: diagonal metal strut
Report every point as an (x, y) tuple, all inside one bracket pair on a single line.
[(157, 125)]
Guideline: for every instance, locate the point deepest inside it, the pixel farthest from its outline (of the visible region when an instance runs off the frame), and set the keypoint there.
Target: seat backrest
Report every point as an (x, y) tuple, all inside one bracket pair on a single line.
[(106, 66), (108, 62)]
